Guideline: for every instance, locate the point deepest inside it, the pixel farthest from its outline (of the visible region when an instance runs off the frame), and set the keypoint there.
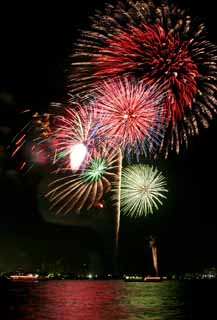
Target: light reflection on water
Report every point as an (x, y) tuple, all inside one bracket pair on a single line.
[(97, 300)]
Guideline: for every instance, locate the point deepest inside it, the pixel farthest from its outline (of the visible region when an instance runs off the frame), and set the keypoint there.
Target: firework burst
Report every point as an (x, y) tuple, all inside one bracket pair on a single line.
[(142, 188), (32, 145), (154, 43), (76, 129), (131, 115), (85, 188)]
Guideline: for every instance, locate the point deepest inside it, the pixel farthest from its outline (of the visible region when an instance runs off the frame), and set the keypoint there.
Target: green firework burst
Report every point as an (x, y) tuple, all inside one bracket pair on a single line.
[(71, 192), (142, 189), (95, 170)]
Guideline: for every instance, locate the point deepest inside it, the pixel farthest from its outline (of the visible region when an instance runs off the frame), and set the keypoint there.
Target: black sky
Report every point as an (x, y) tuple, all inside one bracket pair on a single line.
[(35, 43)]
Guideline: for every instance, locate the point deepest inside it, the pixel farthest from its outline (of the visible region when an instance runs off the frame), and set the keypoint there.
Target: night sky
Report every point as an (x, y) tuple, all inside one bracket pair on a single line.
[(35, 45)]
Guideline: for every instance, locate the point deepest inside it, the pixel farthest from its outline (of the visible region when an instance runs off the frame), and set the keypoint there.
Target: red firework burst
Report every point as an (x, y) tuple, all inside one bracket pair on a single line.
[(131, 115), (163, 56), (154, 43)]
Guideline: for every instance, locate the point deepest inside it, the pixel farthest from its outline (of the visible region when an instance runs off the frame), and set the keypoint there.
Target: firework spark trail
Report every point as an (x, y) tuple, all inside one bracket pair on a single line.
[(131, 115), (154, 42), (142, 188), (153, 246), (117, 213), (72, 192)]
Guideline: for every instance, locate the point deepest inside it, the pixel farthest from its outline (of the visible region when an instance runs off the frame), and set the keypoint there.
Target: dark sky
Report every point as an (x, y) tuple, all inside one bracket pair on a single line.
[(35, 44)]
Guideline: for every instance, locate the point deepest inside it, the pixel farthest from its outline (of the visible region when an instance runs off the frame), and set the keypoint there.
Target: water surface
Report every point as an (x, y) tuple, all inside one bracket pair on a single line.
[(107, 300)]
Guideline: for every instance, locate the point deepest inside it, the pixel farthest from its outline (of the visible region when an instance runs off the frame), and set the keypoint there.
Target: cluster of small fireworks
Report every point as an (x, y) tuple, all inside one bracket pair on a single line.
[(146, 77), (122, 114), (152, 42)]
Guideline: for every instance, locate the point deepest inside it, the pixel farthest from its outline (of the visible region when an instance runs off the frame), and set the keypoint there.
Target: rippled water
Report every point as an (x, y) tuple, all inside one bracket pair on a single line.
[(106, 300)]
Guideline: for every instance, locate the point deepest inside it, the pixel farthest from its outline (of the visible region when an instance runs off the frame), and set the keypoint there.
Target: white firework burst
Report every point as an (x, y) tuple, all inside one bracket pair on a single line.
[(142, 189)]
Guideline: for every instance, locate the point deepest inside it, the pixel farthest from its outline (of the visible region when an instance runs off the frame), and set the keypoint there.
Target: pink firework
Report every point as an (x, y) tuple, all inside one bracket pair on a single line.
[(131, 114), (76, 129), (153, 41)]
